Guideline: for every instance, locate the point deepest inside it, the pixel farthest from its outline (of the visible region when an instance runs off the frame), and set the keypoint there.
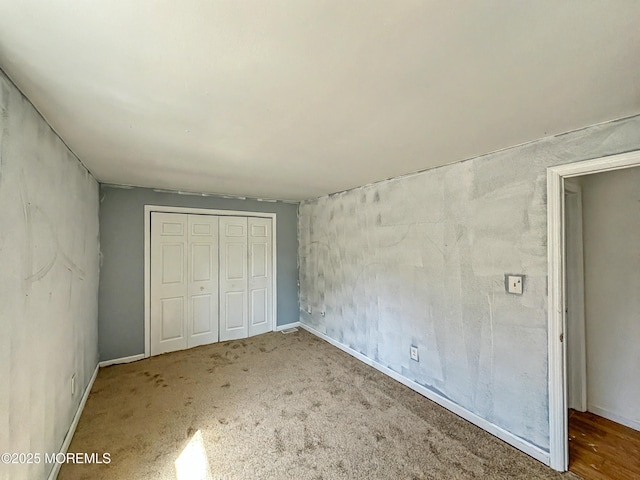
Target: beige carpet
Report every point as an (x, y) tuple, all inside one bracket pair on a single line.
[(278, 406)]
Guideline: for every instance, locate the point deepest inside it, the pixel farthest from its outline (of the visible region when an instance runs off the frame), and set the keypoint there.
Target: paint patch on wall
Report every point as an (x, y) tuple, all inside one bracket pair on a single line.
[(420, 260), (48, 280)]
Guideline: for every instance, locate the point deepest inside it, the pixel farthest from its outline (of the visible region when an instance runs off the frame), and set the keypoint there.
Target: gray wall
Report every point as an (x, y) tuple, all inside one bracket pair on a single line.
[(121, 314), (611, 232), (48, 283), (421, 260)]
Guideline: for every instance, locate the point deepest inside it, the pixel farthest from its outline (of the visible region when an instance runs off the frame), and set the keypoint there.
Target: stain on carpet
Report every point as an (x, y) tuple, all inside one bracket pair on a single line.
[(279, 406)]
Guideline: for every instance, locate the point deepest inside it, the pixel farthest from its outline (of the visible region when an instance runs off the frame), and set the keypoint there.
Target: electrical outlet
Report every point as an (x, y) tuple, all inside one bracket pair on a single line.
[(514, 283), (309, 309), (414, 353), (73, 384), (322, 313)]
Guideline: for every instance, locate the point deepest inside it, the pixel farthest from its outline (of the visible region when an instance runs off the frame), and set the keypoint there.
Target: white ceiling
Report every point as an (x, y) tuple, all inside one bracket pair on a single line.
[(293, 99)]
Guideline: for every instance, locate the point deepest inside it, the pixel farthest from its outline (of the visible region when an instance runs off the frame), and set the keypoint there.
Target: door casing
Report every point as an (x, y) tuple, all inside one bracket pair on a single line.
[(558, 417), (574, 299), (198, 211)]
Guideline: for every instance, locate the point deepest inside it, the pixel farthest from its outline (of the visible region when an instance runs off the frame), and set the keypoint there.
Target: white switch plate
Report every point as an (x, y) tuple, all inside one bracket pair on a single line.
[(414, 353), (514, 283)]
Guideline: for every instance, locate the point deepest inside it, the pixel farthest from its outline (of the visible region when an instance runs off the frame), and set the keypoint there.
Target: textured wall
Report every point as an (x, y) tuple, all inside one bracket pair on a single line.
[(421, 260), (48, 283), (121, 315), (611, 232)]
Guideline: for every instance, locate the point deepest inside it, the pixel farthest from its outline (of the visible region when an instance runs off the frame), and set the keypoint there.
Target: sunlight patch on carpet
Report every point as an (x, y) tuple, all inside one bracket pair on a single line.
[(192, 464)]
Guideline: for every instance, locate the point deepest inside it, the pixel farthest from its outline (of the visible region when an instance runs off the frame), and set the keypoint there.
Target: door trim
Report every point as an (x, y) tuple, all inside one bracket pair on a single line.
[(574, 190), (558, 418), (148, 209)]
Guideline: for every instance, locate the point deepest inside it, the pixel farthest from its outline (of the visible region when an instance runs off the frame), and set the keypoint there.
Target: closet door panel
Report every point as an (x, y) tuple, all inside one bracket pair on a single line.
[(169, 289), (260, 272), (233, 278), (202, 325)]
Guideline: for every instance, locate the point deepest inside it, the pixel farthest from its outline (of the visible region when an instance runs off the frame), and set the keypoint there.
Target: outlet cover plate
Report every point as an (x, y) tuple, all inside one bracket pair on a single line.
[(414, 353), (514, 283)]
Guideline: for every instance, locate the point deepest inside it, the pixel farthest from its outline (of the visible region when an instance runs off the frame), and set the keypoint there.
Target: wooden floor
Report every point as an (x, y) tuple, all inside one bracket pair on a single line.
[(600, 449)]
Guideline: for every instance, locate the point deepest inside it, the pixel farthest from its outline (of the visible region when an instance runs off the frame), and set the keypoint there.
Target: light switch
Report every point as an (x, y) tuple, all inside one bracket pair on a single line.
[(514, 283)]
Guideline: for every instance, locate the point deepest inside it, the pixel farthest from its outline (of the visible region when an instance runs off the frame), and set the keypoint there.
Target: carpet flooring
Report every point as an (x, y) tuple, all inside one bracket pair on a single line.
[(278, 406)]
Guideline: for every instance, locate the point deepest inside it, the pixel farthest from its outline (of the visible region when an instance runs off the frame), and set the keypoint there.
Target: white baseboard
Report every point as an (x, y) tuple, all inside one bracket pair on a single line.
[(74, 424), (288, 325), (614, 417), (502, 434), (116, 361)]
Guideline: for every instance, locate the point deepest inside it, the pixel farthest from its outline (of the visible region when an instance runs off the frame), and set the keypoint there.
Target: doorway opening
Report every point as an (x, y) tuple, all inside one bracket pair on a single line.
[(568, 386), (602, 227)]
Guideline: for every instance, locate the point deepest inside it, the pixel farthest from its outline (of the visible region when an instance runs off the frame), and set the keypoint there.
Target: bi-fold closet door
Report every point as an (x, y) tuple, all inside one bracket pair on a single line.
[(246, 277), (211, 279)]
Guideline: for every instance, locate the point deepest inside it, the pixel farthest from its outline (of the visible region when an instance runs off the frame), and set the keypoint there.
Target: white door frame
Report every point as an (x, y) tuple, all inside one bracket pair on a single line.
[(197, 211), (558, 418), (575, 330)]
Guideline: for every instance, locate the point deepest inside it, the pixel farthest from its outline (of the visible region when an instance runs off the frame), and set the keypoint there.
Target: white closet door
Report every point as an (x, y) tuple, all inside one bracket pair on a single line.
[(260, 274), (233, 278), (168, 282), (202, 325)]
